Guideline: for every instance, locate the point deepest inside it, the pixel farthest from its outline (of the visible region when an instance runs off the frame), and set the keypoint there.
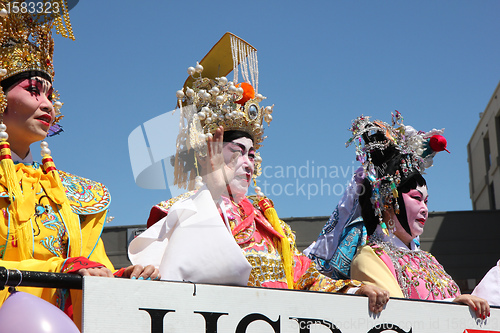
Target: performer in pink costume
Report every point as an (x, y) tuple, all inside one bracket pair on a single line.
[(394, 211)]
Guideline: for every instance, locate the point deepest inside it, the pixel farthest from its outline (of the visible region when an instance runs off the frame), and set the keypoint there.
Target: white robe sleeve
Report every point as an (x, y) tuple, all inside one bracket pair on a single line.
[(489, 287), (192, 243)]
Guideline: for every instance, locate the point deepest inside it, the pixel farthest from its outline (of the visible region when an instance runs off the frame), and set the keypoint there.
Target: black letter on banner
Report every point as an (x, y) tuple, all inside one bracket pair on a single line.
[(247, 320), (211, 320), (156, 318), (305, 324), (388, 327)]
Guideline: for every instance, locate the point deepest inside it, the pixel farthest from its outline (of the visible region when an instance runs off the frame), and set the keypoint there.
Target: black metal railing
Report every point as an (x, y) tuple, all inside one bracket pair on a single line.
[(14, 278)]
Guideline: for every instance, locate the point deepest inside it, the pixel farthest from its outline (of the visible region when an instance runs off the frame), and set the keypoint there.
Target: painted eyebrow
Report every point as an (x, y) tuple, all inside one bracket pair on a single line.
[(42, 85), (243, 148), (422, 194)]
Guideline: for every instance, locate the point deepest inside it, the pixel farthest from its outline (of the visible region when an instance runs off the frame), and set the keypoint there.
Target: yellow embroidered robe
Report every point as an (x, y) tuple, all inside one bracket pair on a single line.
[(51, 224)]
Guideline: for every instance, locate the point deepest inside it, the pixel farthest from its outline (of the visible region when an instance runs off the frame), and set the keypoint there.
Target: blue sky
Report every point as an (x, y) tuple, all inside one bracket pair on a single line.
[(322, 63)]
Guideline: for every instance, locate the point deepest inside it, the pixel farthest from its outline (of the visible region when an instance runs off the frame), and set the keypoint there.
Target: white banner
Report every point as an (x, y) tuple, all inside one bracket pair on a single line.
[(121, 305)]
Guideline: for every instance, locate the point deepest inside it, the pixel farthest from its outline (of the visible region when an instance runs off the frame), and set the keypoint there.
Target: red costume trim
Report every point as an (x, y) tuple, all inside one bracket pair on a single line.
[(74, 264)]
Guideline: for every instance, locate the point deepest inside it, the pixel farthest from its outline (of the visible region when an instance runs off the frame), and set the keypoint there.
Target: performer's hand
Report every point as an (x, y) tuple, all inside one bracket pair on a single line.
[(139, 272), (95, 271), (479, 305), (377, 298), (217, 173)]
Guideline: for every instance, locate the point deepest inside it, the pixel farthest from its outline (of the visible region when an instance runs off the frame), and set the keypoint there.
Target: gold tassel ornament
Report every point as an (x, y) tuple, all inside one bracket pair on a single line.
[(284, 244)]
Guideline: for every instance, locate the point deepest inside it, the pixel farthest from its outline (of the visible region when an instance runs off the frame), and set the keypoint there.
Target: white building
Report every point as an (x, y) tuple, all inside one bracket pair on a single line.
[(483, 153)]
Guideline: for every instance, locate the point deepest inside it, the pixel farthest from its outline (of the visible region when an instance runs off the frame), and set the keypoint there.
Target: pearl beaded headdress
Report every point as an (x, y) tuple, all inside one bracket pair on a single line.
[(385, 149), (209, 100), (27, 44)]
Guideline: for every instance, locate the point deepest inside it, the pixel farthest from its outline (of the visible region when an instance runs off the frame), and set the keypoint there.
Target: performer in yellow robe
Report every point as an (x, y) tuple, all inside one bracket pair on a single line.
[(50, 220)]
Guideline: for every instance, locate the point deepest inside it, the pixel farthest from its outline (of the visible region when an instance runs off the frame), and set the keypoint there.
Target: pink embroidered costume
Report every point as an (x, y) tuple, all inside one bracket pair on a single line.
[(393, 204), (257, 239), (410, 273)]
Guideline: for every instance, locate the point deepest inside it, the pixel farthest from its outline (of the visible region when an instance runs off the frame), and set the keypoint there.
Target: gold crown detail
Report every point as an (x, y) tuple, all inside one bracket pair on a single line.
[(26, 42), (215, 103)]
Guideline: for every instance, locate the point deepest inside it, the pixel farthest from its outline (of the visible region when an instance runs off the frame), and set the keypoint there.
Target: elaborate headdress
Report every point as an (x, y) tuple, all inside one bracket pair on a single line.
[(27, 45), (26, 50), (209, 100), (391, 154), (393, 157)]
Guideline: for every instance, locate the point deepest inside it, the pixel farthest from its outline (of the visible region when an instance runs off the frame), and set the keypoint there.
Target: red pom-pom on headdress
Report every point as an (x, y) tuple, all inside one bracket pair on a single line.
[(438, 143), (248, 93)]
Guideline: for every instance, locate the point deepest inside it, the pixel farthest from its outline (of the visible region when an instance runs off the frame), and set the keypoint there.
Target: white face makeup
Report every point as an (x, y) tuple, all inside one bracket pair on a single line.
[(243, 166), (416, 211)]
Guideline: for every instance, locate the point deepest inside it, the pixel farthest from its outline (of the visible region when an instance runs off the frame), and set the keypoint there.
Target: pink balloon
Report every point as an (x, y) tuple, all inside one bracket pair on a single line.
[(22, 312)]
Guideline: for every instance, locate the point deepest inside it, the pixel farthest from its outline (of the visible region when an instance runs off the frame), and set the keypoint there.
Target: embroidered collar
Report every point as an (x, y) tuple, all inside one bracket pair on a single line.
[(395, 241), (251, 216)]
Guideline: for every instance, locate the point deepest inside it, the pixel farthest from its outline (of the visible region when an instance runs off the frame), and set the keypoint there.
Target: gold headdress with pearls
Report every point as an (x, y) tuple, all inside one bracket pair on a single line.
[(209, 100), (26, 39)]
